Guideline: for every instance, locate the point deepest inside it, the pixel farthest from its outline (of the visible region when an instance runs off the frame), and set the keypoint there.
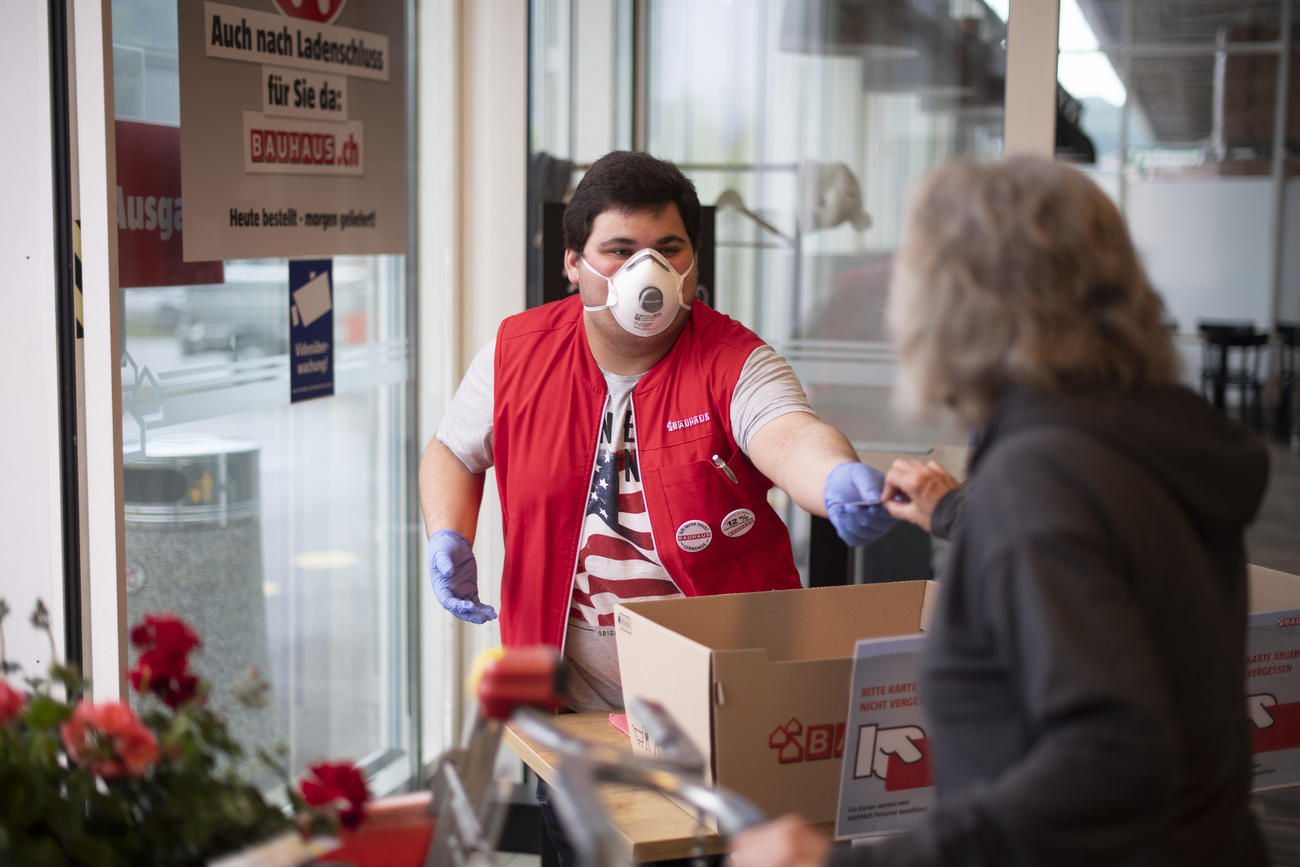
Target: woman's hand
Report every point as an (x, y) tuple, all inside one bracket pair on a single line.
[(786, 842), (913, 489)]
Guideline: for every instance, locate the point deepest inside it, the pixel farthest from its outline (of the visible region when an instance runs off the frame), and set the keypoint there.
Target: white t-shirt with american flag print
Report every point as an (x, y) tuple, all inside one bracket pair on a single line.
[(617, 561), (616, 552)]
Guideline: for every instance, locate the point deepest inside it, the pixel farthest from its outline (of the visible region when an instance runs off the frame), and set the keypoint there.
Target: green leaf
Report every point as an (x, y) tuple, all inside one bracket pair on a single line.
[(273, 763), (37, 851), (44, 712), (91, 853), (69, 676)]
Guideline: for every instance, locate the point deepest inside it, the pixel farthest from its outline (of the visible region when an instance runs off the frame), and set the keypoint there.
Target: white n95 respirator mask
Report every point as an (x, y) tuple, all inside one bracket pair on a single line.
[(645, 294)]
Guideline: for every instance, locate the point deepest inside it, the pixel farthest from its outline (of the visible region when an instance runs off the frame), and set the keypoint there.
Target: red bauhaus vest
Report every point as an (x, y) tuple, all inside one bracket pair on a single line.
[(549, 396)]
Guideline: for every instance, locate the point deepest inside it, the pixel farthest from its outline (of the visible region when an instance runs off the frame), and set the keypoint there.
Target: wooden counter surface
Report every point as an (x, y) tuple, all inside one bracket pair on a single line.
[(651, 826)]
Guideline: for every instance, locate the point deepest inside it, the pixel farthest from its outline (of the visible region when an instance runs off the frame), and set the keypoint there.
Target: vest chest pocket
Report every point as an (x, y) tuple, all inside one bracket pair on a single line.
[(713, 517)]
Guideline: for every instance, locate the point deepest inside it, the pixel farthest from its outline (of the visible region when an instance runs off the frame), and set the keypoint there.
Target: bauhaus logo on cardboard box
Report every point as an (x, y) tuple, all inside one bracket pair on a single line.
[(796, 743)]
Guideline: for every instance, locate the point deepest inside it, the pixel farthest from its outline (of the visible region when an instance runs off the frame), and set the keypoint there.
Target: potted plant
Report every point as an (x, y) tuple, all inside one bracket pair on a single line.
[(98, 784)]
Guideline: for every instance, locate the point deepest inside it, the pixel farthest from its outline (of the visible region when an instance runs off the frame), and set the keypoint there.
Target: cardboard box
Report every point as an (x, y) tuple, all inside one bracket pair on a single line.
[(886, 783), (1273, 678), (760, 681)]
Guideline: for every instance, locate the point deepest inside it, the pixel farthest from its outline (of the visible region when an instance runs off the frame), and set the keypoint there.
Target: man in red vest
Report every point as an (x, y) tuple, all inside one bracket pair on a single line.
[(635, 433)]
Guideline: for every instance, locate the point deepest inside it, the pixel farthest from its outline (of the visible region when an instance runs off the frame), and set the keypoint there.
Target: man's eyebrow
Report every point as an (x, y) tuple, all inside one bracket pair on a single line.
[(632, 242)]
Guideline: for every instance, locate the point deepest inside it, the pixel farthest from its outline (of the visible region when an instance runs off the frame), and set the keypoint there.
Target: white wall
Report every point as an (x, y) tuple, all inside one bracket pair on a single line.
[(1289, 302), (30, 494), (492, 163), (472, 171), (1205, 243), (94, 170)]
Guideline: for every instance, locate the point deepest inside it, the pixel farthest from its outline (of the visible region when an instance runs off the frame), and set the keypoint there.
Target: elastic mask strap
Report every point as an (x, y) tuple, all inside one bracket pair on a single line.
[(610, 294), (686, 305)]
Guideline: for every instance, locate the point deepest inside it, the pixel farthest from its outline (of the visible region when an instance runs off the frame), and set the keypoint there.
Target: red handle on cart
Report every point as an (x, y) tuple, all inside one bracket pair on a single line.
[(531, 675)]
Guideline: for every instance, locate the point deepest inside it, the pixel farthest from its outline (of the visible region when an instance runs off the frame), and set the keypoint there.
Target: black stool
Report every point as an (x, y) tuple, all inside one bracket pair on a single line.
[(1231, 354), (1286, 424)]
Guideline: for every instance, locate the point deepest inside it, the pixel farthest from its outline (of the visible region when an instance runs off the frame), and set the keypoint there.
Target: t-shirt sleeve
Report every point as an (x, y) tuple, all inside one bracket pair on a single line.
[(466, 429), (767, 388)]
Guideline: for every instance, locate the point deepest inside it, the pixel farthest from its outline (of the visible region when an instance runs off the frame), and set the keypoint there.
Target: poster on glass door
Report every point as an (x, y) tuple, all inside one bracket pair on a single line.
[(293, 127), (149, 212), (311, 329)]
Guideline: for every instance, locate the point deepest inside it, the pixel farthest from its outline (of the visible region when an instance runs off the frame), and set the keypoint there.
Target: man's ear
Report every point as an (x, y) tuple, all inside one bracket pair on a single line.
[(572, 265)]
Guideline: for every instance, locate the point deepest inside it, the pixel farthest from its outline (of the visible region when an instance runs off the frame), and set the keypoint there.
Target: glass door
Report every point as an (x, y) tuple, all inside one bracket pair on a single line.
[(280, 529), (805, 123), (1194, 109), (802, 124)]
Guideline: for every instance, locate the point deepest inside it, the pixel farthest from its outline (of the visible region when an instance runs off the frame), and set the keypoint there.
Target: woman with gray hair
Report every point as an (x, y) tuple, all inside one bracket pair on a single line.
[(1083, 674)]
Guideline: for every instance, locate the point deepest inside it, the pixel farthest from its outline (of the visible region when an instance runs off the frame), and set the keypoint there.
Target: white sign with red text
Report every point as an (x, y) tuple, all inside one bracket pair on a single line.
[(885, 781), (1273, 698), (274, 145), (293, 128)]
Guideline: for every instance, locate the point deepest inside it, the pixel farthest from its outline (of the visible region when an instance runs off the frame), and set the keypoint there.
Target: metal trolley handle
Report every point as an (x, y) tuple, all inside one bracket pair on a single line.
[(470, 808), (676, 772)]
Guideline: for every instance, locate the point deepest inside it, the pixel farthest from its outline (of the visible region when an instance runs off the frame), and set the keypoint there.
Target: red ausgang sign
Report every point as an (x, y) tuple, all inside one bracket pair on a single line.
[(149, 213), (318, 11)]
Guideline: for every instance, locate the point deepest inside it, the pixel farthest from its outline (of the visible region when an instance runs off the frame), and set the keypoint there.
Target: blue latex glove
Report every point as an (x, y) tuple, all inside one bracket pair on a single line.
[(852, 497), (454, 573)]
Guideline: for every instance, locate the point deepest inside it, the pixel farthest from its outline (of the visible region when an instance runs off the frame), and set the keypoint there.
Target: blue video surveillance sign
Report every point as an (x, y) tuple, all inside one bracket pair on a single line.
[(311, 329)]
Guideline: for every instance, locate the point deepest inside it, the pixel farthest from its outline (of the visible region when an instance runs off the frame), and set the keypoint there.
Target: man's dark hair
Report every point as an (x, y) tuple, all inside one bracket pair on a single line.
[(629, 181)]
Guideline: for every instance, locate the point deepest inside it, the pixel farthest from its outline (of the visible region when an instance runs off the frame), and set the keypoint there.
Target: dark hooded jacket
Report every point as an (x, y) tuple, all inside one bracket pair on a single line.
[(1084, 672)]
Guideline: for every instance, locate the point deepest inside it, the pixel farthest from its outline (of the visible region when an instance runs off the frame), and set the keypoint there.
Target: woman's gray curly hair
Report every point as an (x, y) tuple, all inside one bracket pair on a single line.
[(1019, 272)]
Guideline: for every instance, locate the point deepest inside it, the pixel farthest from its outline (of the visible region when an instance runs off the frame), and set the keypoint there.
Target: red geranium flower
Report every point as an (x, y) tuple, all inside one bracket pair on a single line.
[(163, 668), (330, 783), (11, 703), (166, 633), (174, 690), (109, 739)]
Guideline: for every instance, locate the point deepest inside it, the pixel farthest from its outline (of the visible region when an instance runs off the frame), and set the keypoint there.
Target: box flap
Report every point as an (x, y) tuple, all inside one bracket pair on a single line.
[(928, 606), (665, 667), (816, 623), (1272, 590)]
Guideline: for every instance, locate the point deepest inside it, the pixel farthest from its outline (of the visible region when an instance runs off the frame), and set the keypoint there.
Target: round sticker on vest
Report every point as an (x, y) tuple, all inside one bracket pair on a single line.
[(694, 536), (738, 523)]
